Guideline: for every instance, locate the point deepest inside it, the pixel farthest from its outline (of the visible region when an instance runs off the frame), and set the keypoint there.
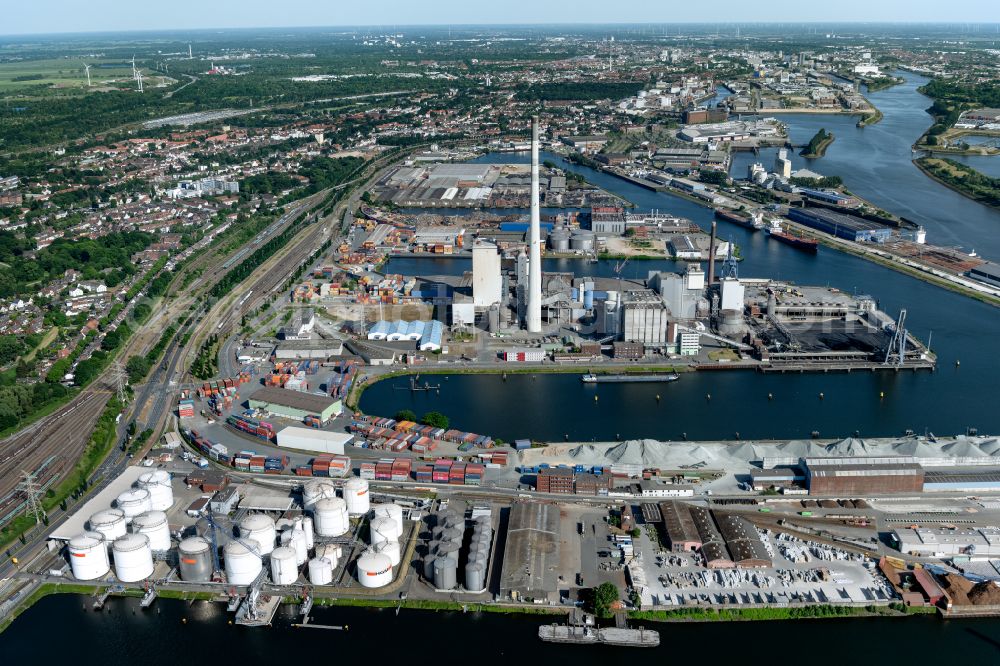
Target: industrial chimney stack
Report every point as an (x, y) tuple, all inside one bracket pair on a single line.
[(534, 315)]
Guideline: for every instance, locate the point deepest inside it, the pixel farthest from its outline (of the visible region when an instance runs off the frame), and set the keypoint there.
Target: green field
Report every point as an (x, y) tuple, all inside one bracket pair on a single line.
[(58, 72)]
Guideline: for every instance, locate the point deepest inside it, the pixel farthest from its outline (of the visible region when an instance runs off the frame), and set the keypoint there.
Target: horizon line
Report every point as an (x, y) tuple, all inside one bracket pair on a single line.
[(547, 24)]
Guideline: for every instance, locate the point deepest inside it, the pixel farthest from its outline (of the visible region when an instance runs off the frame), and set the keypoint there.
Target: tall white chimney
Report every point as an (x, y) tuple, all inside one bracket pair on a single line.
[(534, 317)]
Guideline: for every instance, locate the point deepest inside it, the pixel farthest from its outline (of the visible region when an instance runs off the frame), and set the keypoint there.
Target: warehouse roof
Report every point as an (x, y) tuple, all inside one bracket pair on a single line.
[(678, 523), (885, 469), (258, 498), (531, 562), (314, 404)]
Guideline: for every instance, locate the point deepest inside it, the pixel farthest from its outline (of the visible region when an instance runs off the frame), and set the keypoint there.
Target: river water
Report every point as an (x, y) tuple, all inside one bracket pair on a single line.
[(125, 634), (875, 163)]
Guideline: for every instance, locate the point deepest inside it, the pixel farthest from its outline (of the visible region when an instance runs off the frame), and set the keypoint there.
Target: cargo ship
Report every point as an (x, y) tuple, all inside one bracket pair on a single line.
[(754, 223), (777, 233), (581, 631), (622, 379)]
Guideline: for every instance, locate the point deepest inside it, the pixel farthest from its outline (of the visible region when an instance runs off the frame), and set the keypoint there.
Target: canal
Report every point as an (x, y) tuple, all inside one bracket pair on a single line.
[(125, 634), (948, 401)]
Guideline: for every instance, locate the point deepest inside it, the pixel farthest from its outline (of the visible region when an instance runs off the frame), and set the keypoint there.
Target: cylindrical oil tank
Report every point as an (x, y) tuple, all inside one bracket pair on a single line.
[(588, 299), (133, 558), (453, 534), (374, 569), (475, 576), (260, 528), (194, 556), (448, 548), (559, 239), (161, 493), (445, 573), (88, 556), (382, 529), (320, 571), (134, 501), (330, 517), (309, 528), (111, 523), (437, 531), (357, 497), (582, 240), (284, 566), (296, 540), (330, 551), (242, 564), (391, 511), (315, 490), (428, 563), (390, 549), (731, 323), (154, 525)]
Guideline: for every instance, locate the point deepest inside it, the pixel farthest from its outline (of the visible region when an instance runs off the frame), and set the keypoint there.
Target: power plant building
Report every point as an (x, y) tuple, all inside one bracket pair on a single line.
[(644, 319), (487, 277)]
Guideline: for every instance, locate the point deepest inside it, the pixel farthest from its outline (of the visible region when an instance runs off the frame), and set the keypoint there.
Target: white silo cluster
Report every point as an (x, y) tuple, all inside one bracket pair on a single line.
[(376, 564), (284, 565), (479, 555), (374, 569), (322, 565), (143, 508)]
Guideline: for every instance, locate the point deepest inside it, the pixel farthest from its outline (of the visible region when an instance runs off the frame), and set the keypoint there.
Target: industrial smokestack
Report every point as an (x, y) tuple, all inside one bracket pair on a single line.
[(711, 257), (534, 316)]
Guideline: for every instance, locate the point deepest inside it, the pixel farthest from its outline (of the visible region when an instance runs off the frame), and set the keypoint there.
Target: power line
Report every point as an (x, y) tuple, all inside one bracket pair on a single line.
[(30, 487)]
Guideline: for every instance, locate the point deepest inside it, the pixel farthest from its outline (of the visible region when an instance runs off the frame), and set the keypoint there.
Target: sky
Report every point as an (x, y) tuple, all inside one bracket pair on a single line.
[(49, 16)]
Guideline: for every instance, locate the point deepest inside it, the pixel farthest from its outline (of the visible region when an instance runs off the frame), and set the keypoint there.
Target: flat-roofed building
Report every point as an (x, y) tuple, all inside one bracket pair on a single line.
[(940, 542), (828, 476), (531, 561)]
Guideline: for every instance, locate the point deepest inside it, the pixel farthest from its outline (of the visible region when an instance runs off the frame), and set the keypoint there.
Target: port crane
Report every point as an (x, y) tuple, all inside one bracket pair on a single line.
[(895, 352)]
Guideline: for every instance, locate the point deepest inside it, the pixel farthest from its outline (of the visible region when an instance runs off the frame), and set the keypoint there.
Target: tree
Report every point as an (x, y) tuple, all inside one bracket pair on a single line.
[(436, 419), (405, 415), (137, 368), (605, 595)]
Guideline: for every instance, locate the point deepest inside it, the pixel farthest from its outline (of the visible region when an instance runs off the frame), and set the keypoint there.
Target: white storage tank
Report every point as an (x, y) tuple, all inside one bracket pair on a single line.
[(330, 517), (88, 556), (284, 568), (310, 530), (296, 540), (161, 494), (357, 497), (374, 569), (111, 523), (320, 571), (154, 525), (194, 556), (242, 564), (134, 501), (329, 551), (133, 558), (260, 528), (382, 529), (315, 490), (392, 511), (390, 549)]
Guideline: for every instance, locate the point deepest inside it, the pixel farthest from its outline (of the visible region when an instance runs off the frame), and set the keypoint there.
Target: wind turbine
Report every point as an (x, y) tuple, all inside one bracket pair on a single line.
[(86, 68), (138, 78)]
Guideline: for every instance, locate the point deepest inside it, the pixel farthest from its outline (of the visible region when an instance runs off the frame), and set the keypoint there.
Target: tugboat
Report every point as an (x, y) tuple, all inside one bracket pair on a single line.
[(775, 231)]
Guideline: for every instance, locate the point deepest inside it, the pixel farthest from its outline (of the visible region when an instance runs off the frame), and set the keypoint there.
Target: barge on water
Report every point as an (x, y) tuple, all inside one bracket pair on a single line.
[(800, 243), (754, 223), (624, 379), (581, 631)]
